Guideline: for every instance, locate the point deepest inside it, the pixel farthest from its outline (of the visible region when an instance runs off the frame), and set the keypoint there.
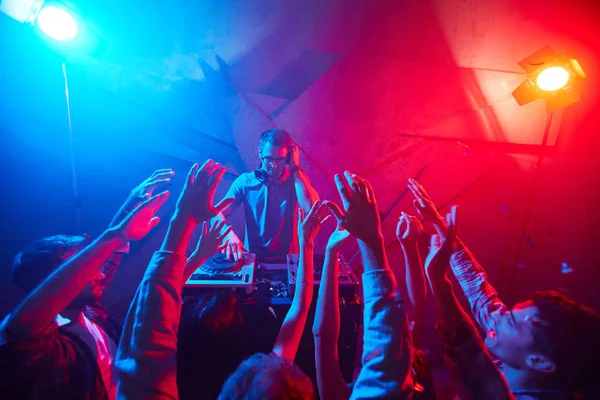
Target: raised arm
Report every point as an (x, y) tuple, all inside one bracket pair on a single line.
[(408, 231), (146, 358), (471, 366), (305, 193), (232, 246), (387, 350), (137, 196), (326, 326), (286, 344), (482, 296), (42, 305)]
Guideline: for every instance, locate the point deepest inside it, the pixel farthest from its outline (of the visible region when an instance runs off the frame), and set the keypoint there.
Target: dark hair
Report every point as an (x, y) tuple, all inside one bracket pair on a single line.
[(570, 337), (210, 344), (276, 137), (267, 377), (32, 265)]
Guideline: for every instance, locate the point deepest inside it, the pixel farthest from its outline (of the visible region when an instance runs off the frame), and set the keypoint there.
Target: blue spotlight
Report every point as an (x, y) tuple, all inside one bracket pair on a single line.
[(57, 23)]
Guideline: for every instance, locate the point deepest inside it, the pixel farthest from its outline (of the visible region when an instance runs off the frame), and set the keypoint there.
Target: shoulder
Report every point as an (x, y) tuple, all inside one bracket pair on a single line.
[(246, 180)]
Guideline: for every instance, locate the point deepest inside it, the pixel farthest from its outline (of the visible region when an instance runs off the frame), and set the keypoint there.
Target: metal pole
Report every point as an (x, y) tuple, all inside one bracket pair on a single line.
[(76, 200)]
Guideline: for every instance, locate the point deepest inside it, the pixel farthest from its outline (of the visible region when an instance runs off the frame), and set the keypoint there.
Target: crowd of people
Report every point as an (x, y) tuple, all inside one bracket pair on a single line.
[(60, 343)]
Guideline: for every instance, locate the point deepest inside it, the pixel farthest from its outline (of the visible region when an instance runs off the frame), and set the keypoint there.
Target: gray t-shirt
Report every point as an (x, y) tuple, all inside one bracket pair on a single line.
[(270, 210)]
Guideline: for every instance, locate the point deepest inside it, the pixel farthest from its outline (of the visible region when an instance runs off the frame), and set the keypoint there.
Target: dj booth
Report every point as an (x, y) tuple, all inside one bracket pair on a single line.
[(265, 291)]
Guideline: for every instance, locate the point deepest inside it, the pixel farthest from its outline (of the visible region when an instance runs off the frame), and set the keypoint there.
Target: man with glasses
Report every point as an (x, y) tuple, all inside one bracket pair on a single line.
[(271, 196)]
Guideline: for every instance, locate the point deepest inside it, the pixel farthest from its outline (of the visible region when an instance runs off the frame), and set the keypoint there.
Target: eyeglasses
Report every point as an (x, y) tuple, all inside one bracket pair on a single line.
[(271, 160)]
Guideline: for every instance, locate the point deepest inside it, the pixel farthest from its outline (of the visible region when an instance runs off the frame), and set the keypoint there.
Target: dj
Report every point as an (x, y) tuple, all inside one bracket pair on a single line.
[(271, 196)]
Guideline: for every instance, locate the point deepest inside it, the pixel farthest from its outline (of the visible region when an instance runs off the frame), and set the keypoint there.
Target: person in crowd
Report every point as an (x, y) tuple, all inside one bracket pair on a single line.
[(270, 195), (326, 325), (547, 346), (60, 343), (408, 232), (274, 376), (387, 354), (147, 355), (471, 366), (211, 343)]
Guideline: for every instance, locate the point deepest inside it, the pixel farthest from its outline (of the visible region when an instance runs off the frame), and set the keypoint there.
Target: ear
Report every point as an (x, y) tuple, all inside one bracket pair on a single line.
[(540, 363)]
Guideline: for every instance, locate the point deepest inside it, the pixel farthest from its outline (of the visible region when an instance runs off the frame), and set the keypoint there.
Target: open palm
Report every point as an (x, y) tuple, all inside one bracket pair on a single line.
[(141, 220), (338, 239)]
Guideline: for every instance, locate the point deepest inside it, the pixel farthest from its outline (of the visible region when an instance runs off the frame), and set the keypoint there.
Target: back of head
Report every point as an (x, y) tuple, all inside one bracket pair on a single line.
[(33, 264), (267, 377), (210, 344), (276, 137), (571, 338)]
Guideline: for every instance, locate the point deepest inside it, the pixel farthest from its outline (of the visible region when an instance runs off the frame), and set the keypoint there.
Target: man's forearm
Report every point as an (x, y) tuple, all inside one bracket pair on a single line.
[(40, 308), (288, 339), (178, 235), (415, 278), (373, 253), (326, 326), (449, 310), (305, 193)]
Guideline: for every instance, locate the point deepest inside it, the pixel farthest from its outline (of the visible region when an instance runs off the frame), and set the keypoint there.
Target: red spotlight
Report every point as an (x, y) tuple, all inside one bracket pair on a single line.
[(552, 77)]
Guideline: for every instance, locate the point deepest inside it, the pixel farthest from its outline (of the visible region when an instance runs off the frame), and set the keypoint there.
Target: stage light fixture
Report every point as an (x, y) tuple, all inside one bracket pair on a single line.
[(552, 77), (55, 19), (57, 23)]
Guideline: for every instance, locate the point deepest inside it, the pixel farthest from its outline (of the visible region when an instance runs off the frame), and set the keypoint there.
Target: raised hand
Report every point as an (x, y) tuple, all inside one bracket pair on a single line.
[(294, 156), (361, 217), (309, 224), (141, 220), (441, 249), (423, 204), (209, 243), (408, 230), (196, 199), (143, 192)]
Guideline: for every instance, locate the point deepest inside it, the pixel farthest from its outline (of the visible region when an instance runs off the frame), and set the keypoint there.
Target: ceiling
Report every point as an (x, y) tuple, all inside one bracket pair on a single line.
[(386, 89)]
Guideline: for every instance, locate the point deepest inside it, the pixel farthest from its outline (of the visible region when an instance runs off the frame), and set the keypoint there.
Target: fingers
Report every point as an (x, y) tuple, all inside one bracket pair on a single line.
[(223, 204), (451, 219), (160, 172), (300, 216), (237, 252), (150, 186), (228, 251), (314, 210), (419, 198), (154, 203), (401, 227), (324, 219), (362, 188), (435, 243), (352, 183), (224, 234), (216, 177), (335, 210), (191, 177), (204, 229), (343, 190), (153, 222), (415, 224), (370, 192), (202, 174)]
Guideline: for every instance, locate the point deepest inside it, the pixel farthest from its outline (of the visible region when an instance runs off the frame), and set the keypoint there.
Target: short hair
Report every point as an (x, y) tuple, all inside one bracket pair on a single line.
[(210, 344), (267, 377), (569, 338), (276, 137), (40, 258)]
